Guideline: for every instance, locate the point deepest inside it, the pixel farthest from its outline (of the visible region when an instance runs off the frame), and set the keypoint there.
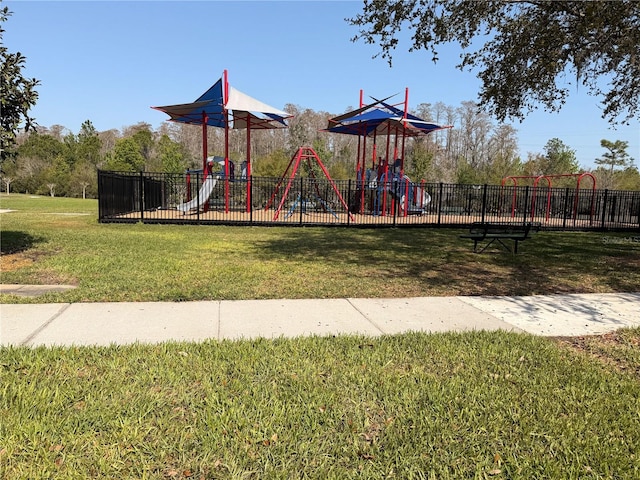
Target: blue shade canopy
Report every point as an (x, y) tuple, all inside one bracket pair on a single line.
[(381, 118), (240, 111)]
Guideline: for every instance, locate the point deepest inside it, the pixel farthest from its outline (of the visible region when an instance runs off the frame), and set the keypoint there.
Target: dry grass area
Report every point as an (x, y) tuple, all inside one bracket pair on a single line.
[(619, 350), (14, 261)]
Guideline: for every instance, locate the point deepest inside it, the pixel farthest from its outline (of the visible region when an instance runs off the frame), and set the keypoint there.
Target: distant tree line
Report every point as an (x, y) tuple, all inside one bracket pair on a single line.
[(533, 43), (54, 161)]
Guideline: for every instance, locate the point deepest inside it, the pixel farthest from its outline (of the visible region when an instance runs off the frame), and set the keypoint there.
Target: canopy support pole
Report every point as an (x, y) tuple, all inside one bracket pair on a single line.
[(225, 99), (248, 162), (205, 119), (205, 149)]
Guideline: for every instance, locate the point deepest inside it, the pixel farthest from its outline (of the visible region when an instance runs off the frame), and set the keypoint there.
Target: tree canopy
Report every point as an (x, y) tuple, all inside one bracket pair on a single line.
[(616, 154), (532, 52), (18, 94)]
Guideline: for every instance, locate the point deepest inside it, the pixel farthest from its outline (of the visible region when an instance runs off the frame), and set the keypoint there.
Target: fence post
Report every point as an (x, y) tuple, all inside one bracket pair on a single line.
[(198, 198), (301, 204), (604, 207), (564, 208), (526, 202), (348, 202), (614, 205), (100, 196), (250, 199), (395, 205), (141, 199), (484, 202), (439, 203)]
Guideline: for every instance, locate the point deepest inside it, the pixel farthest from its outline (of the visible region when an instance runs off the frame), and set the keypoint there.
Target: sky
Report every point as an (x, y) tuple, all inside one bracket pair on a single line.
[(110, 61)]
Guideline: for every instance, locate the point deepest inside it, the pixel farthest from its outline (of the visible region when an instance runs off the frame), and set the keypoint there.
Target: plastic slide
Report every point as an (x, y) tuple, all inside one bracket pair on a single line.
[(203, 195)]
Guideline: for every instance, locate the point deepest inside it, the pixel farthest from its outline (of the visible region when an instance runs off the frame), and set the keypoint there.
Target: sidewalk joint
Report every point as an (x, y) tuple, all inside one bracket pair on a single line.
[(38, 330), (365, 317)]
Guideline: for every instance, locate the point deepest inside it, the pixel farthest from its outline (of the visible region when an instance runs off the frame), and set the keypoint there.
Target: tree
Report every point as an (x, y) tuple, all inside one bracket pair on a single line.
[(616, 156), (88, 144), (126, 156), (84, 177), (18, 95), (559, 158), (628, 179), (272, 165), (7, 182), (171, 155), (530, 48)]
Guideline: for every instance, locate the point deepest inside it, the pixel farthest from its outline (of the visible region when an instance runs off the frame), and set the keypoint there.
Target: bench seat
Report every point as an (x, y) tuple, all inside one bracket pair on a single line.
[(500, 232)]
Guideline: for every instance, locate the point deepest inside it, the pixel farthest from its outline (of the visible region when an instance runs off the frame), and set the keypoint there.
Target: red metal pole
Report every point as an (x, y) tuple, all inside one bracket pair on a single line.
[(205, 119), (248, 162), (205, 148), (386, 173), (548, 200), (335, 189), (291, 178), (406, 108), (593, 193), (279, 184), (364, 172), (406, 196), (533, 196), (226, 141)]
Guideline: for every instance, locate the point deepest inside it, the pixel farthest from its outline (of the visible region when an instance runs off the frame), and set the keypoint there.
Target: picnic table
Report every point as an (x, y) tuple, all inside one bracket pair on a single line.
[(499, 232)]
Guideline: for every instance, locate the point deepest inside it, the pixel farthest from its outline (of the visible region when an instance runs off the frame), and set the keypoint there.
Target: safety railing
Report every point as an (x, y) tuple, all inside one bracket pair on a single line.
[(307, 201)]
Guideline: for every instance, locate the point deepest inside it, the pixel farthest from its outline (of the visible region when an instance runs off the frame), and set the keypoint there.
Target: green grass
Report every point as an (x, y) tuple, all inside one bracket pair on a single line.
[(473, 405), (48, 241), (414, 406)]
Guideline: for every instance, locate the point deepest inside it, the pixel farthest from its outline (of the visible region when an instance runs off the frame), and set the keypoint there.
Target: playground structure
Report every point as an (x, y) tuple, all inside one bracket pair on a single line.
[(548, 178), (381, 195), (384, 184), (225, 107), (306, 154), (382, 189)]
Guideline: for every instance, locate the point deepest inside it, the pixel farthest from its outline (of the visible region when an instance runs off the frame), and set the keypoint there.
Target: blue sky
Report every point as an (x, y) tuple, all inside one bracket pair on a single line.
[(109, 62)]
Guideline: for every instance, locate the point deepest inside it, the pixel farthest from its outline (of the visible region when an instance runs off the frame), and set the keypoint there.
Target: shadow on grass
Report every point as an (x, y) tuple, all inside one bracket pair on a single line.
[(16, 242), (437, 260)]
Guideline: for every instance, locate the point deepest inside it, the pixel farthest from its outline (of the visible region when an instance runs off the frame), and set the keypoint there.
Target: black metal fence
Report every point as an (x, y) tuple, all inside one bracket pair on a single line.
[(306, 201)]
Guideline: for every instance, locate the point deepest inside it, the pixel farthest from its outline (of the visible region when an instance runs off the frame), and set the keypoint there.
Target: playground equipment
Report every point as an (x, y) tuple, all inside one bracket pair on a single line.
[(208, 185), (225, 107), (203, 195), (305, 154), (537, 178), (388, 184), (386, 120)]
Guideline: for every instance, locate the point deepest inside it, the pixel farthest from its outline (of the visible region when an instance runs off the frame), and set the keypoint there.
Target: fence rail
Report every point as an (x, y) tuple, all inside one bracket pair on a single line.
[(307, 201)]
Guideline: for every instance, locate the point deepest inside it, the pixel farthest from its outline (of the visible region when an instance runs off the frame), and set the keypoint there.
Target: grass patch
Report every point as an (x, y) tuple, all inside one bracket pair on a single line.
[(473, 405), (58, 240)]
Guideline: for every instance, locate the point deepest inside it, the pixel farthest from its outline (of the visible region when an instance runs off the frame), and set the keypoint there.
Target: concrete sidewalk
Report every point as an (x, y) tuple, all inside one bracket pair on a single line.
[(125, 323)]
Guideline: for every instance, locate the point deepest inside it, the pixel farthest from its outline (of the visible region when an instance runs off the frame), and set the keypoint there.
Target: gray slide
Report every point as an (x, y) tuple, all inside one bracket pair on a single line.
[(203, 195)]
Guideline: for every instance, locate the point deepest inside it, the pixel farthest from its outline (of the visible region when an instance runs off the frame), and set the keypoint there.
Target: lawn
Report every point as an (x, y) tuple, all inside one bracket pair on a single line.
[(473, 405), (481, 405), (59, 241)]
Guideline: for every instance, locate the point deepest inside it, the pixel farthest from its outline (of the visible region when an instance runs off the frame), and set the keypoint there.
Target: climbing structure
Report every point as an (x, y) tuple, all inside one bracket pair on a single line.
[(308, 155)]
